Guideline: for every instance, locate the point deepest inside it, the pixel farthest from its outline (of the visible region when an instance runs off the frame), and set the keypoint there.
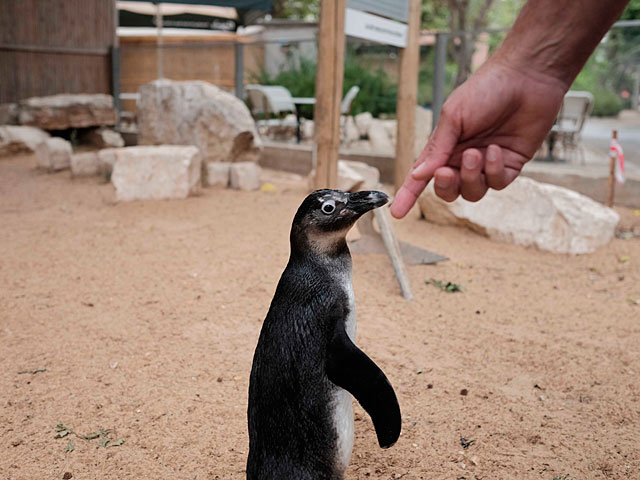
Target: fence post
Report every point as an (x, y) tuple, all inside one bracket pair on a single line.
[(407, 96), (331, 41), (239, 72), (439, 76)]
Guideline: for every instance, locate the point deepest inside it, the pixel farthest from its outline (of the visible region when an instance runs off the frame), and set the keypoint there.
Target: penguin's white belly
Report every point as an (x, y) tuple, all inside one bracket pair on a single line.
[(343, 401)]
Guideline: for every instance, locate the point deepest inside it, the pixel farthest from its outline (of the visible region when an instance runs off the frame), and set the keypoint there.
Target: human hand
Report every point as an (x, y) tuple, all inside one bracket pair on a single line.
[(489, 128)]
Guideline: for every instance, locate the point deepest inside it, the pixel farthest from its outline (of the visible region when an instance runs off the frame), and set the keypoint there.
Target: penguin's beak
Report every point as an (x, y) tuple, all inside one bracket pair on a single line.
[(361, 202)]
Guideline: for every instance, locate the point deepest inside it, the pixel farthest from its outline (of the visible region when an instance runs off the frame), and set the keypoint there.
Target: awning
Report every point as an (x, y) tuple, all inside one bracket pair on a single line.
[(264, 5)]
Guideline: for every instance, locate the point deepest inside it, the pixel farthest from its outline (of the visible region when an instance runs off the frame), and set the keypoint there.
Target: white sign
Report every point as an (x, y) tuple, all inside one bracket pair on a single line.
[(394, 9), (378, 29)]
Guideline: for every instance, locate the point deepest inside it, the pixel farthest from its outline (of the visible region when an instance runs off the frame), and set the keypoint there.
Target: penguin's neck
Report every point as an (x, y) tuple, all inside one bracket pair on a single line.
[(326, 247)]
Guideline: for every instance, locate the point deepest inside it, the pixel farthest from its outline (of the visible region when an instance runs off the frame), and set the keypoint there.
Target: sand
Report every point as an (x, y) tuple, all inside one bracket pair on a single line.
[(145, 316)]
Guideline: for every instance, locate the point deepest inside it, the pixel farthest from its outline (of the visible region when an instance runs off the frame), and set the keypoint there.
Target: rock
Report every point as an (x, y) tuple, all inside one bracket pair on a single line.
[(85, 164), (423, 121), (200, 114), (218, 173), (54, 154), (106, 160), (363, 121), (391, 127), (307, 129), (527, 213), (369, 176), (103, 137), (14, 139), (349, 180), (63, 111), (349, 131), (9, 113), (379, 137), (244, 176), (158, 172)]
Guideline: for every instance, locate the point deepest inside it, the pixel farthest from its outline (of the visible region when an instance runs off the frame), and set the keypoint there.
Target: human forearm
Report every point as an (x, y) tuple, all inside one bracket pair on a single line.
[(554, 38)]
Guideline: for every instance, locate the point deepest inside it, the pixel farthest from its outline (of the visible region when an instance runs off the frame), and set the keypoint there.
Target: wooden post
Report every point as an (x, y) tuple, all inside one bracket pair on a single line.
[(408, 95), (329, 91), (612, 172)]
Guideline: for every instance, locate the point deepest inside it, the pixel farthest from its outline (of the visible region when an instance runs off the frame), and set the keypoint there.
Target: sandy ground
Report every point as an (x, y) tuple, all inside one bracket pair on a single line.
[(145, 316)]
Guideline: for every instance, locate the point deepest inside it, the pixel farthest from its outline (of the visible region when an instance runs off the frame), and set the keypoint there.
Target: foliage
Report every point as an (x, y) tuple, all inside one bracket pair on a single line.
[(377, 92), (607, 102), (296, 9)]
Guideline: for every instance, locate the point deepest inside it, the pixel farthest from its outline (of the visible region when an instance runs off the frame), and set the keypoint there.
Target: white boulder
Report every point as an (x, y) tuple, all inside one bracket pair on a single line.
[(54, 154), (85, 164), (423, 121), (355, 176), (200, 114), (103, 137), (379, 138), (9, 113), (363, 121), (14, 139), (218, 173), (528, 213), (59, 112), (348, 130), (244, 176), (157, 172)]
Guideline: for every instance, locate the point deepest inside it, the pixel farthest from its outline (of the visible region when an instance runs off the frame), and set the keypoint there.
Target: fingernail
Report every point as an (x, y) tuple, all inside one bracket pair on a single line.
[(470, 162), (443, 182), (491, 155), (420, 169)]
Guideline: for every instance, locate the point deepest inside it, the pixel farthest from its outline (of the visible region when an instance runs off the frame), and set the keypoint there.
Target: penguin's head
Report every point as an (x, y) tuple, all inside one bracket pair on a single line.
[(325, 216)]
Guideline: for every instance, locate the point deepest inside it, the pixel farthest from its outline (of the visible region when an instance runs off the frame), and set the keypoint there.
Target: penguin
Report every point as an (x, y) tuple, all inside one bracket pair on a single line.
[(306, 366)]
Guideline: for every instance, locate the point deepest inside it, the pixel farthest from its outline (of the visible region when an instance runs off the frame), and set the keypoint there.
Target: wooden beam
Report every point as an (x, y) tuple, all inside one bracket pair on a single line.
[(612, 172), (407, 95), (329, 91)]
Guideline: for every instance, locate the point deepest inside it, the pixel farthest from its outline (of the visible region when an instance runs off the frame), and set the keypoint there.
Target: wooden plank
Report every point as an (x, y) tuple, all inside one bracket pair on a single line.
[(407, 96), (331, 41), (612, 173), (393, 249)]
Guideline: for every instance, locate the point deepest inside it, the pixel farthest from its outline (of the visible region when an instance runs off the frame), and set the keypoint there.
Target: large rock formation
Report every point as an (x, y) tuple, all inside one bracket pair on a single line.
[(200, 114), (15, 139), (529, 213), (165, 171), (60, 112)]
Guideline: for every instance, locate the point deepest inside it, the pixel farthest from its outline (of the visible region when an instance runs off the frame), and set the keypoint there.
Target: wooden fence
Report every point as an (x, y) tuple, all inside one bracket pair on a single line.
[(55, 46)]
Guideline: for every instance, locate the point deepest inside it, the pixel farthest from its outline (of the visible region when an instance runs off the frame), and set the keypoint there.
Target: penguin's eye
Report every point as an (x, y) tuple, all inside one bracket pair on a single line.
[(328, 207)]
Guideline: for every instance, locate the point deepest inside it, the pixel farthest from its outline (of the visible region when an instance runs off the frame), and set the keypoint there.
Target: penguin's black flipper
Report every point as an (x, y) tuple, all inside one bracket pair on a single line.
[(349, 367)]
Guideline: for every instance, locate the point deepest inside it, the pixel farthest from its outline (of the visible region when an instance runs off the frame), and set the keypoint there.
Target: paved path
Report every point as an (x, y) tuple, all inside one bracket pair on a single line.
[(597, 135)]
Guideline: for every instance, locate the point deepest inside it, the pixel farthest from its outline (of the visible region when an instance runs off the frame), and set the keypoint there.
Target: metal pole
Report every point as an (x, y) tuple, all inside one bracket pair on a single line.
[(115, 77), (635, 89), (115, 62), (239, 75), (159, 52), (439, 77)]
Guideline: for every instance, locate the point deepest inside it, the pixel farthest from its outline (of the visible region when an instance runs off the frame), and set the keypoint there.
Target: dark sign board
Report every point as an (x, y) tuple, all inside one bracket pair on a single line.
[(183, 20)]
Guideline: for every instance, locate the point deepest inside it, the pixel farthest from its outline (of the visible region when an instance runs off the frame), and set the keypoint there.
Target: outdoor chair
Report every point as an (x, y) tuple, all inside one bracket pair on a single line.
[(267, 100), (345, 107), (576, 108)]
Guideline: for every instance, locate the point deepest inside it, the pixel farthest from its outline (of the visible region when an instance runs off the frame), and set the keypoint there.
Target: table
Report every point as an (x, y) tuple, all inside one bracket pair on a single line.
[(301, 101)]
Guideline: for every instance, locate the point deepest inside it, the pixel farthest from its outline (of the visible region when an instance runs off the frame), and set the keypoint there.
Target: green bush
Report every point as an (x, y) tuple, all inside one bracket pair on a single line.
[(606, 101), (377, 92)]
